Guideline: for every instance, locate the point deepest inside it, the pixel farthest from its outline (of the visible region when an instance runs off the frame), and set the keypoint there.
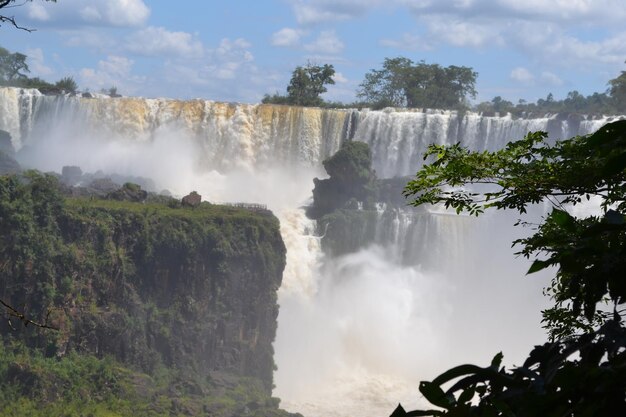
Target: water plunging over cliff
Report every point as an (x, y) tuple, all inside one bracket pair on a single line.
[(356, 332)]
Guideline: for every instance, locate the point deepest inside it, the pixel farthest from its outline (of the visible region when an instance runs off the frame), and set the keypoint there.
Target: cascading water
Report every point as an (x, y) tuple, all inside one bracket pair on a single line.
[(358, 331)]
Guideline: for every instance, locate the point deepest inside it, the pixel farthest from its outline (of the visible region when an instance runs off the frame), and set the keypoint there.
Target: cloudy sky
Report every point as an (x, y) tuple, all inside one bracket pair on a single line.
[(238, 50)]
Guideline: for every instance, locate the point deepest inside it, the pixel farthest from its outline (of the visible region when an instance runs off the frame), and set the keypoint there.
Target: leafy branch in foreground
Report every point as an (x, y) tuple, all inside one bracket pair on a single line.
[(548, 384), (590, 253), (582, 371)]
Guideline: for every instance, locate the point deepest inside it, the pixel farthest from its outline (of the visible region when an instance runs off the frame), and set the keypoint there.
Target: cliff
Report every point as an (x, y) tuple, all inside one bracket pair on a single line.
[(174, 307)]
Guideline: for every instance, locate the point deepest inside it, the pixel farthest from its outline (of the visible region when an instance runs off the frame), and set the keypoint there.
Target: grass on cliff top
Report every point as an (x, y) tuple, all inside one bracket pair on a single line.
[(204, 210)]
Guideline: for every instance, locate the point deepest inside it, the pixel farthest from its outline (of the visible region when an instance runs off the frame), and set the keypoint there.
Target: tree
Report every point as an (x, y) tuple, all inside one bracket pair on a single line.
[(402, 83), (618, 92), (590, 256), (67, 84), (308, 83), (305, 87), (6, 4), (12, 65)]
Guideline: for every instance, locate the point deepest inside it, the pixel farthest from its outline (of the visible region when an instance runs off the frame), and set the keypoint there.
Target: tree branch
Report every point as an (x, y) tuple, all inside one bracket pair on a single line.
[(12, 312), (11, 20)]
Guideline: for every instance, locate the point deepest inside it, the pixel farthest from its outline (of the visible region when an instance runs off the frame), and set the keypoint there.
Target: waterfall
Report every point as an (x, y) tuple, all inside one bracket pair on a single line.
[(357, 332)]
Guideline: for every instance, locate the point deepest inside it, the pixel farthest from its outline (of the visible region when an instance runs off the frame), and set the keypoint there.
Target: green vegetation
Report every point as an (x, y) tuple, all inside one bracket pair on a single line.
[(582, 371), (67, 84), (79, 385), (403, 83), (161, 309), (613, 101), (13, 66), (351, 178), (574, 103), (618, 92), (306, 85), (353, 183), (344, 205), (14, 70)]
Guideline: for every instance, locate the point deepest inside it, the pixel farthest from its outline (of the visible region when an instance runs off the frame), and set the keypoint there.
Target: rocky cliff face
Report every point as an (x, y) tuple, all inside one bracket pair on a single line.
[(151, 286)]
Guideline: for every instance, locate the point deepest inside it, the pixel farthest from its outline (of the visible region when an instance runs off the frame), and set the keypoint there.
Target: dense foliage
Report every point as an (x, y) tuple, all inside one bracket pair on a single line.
[(14, 70), (574, 103), (12, 66), (351, 176), (159, 289), (306, 86), (403, 83), (79, 385), (549, 383), (618, 92), (590, 256)]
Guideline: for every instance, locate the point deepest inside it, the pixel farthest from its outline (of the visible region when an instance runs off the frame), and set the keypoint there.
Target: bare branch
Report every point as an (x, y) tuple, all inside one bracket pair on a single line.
[(11, 20), (13, 313)]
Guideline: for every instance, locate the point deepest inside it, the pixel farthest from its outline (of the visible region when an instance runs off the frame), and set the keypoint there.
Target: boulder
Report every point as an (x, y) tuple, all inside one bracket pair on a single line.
[(71, 175), (129, 192), (192, 199)]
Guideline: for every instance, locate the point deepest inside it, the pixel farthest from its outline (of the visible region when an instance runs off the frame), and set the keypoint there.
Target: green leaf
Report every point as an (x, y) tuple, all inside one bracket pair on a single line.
[(467, 395), (496, 362), (433, 393), (615, 165), (538, 266), (614, 217), (457, 372), (398, 412), (562, 218)]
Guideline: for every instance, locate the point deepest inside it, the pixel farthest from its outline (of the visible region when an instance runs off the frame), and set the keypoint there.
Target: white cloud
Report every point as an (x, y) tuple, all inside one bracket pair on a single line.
[(522, 75), (97, 39), (462, 33), (311, 12), (122, 13), (339, 78), (408, 42), (227, 71), (483, 23), (229, 57), (286, 37), (230, 60), (38, 12), (551, 44), (158, 41), (326, 43), (114, 71), (126, 12), (36, 63), (550, 78)]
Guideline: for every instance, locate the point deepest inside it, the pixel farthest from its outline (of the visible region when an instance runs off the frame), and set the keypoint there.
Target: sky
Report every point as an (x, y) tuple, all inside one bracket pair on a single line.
[(240, 50)]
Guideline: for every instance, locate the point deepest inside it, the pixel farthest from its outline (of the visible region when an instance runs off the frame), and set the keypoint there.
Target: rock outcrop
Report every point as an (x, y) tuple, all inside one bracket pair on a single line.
[(193, 292)]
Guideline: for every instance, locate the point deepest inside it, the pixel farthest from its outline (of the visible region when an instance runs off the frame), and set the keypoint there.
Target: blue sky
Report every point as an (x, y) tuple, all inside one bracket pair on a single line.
[(238, 50)]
